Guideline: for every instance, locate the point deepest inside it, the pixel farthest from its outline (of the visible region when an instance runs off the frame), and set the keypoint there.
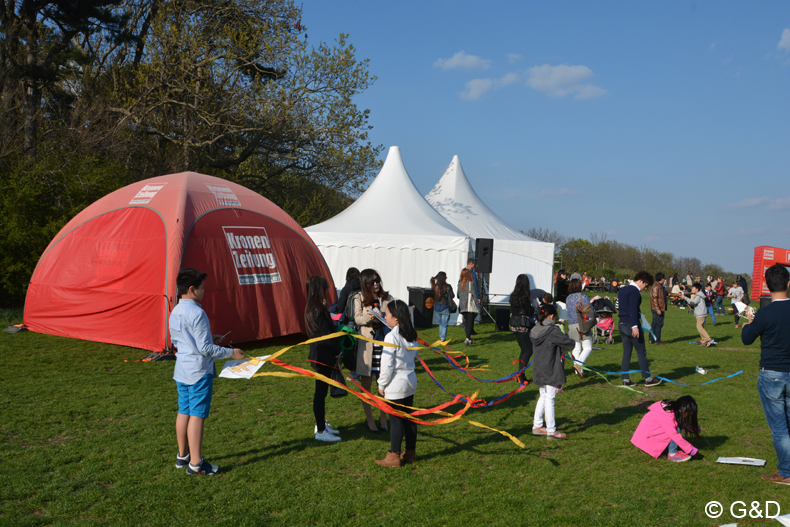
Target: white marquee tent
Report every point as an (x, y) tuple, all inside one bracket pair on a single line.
[(514, 252), (392, 229)]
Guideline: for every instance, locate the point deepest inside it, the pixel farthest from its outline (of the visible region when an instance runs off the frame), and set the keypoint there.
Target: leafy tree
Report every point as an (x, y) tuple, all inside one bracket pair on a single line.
[(37, 51)]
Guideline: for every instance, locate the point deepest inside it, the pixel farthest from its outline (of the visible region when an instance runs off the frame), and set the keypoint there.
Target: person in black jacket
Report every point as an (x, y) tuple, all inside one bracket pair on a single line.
[(629, 299), (561, 289), (352, 284), (324, 355), (522, 312)]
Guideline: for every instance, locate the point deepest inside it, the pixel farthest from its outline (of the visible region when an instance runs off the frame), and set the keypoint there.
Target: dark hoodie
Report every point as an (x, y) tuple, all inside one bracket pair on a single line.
[(547, 341), (351, 286)]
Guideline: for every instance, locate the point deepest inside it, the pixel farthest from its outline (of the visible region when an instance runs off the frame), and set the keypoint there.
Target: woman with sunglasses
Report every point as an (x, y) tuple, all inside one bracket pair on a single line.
[(369, 300)]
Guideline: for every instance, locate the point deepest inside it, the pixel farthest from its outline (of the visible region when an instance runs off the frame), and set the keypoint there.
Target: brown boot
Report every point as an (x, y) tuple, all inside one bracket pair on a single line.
[(392, 460), (408, 456)]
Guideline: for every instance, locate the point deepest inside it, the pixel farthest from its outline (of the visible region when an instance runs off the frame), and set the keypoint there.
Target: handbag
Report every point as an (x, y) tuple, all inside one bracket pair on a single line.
[(521, 320), (334, 391), (348, 347), (452, 306), (585, 316)]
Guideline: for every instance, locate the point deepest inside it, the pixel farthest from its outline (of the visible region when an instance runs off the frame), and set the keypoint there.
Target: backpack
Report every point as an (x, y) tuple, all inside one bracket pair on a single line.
[(348, 312)]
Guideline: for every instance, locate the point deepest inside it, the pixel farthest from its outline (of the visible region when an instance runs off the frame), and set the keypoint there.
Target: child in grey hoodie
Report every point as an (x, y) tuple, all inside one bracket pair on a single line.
[(697, 301), (547, 370)]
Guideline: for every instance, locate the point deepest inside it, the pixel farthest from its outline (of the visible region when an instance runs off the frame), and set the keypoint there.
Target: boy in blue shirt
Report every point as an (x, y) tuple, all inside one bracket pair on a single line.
[(773, 384), (194, 373)]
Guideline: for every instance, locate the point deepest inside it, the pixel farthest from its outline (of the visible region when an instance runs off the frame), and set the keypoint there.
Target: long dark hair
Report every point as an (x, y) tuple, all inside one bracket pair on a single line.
[(684, 405), (544, 312), (521, 297), (366, 279), (439, 285), (316, 310), (400, 311)]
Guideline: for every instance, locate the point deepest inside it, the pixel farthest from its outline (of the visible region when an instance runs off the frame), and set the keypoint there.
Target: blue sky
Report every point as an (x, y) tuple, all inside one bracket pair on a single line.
[(658, 123)]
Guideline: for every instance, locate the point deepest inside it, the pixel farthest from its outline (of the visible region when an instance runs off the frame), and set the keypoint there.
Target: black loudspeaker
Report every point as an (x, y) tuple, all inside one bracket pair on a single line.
[(503, 319), (484, 252)]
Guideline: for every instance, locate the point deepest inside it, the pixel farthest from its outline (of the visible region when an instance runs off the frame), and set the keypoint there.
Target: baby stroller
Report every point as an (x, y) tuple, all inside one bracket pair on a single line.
[(605, 326)]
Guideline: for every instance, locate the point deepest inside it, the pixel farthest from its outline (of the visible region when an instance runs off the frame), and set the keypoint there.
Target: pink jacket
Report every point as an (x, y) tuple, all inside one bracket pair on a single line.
[(656, 430)]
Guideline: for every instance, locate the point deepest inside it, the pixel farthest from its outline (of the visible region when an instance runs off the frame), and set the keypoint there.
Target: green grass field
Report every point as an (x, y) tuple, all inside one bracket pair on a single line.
[(88, 438)]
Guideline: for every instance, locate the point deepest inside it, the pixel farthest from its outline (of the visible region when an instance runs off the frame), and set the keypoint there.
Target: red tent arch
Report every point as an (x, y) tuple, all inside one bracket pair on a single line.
[(110, 273), (765, 257)]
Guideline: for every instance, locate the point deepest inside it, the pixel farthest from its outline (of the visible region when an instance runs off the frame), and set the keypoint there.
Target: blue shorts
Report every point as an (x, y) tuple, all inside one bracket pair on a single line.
[(195, 399)]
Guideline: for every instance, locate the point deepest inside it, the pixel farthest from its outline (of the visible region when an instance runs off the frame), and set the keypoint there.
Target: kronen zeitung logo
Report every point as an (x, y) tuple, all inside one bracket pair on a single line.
[(252, 255), (147, 193)]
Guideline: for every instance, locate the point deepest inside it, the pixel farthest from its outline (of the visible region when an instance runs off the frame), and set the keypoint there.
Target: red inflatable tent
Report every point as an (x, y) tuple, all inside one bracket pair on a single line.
[(110, 273)]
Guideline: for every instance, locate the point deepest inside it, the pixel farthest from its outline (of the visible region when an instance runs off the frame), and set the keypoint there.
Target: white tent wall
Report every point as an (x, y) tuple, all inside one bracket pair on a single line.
[(399, 268)]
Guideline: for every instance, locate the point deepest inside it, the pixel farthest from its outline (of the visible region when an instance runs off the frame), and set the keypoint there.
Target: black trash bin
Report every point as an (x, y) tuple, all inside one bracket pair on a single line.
[(764, 300), (422, 300)]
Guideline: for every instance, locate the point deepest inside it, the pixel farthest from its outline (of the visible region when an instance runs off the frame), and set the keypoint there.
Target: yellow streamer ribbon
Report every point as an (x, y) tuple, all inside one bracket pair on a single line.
[(375, 399)]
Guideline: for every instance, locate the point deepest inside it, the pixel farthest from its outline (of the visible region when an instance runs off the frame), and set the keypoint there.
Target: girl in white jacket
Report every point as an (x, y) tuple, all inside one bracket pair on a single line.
[(398, 382)]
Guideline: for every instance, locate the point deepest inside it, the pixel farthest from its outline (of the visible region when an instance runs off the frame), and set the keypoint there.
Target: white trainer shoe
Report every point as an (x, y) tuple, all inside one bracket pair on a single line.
[(328, 428), (327, 437)]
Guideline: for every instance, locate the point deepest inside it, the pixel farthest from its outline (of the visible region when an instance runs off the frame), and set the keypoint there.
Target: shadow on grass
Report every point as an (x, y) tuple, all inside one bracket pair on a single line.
[(618, 415), (454, 447)]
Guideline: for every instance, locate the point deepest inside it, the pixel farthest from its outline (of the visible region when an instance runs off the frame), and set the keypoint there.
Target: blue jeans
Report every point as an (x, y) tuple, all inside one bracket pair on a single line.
[(719, 306), (774, 390), (444, 319), (673, 447), (712, 314)]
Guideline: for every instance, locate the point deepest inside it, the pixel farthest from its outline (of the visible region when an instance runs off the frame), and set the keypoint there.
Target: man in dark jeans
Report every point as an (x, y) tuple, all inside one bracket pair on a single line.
[(773, 383), (629, 299), (658, 306)]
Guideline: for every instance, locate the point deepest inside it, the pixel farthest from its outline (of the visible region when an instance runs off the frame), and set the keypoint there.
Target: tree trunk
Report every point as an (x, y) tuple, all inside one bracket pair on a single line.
[(32, 95)]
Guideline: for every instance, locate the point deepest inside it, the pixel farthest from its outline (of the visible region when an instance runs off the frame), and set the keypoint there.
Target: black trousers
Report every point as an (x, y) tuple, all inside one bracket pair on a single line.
[(319, 397), (629, 343), (400, 426), (525, 344), (469, 323), (658, 324)]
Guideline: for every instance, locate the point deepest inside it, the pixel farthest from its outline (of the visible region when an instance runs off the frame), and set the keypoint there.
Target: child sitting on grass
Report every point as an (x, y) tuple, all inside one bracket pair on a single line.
[(659, 430), (547, 369), (194, 373)]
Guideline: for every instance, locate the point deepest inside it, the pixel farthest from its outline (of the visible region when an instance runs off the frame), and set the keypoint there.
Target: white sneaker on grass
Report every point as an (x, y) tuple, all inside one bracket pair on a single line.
[(328, 428), (327, 437)]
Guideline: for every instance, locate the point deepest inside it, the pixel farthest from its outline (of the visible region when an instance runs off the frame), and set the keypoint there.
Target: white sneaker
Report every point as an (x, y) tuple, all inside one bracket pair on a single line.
[(328, 428), (327, 437)]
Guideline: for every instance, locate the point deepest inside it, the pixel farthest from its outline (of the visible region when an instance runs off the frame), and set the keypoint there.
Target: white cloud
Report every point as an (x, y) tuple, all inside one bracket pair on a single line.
[(462, 60), (781, 203), (652, 238), (588, 91), (726, 61), (562, 80), (513, 57), (784, 42), (712, 46), (476, 88), (768, 203), (509, 78)]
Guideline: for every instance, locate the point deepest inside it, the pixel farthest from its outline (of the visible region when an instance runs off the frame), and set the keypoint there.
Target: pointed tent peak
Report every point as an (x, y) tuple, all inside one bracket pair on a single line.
[(454, 183), (390, 205), (454, 198)]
